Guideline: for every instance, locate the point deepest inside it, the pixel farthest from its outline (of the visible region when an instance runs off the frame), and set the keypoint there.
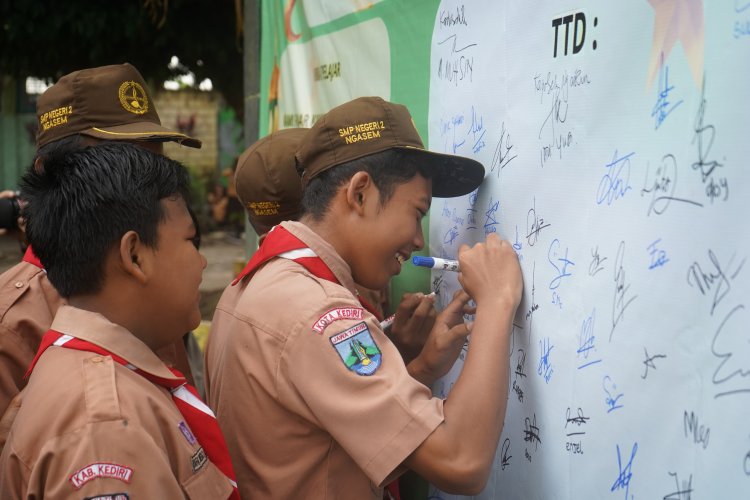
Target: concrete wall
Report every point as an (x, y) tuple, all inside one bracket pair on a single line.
[(194, 113)]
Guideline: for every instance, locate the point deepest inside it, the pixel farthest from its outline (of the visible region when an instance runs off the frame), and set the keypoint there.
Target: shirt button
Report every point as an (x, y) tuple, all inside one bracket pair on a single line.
[(97, 359), (19, 284)]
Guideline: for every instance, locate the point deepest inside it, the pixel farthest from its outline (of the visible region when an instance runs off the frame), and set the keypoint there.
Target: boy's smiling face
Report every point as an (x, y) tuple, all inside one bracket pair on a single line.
[(177, 272), (388, 234)]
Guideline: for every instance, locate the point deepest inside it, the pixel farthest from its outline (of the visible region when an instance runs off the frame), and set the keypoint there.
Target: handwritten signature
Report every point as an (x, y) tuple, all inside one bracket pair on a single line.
[(457, 67), (621, 300), (502, 156), (518, 246), (728, 356), (704, 136), (578, 420), (692, 427), (534, 225), (662, 108), (616, 182), (490, 221), (649, 362), (558, 114), (663, 186), (519, 373), (683, 490), (562, 270), (586, 341), (505, 460), (715, 278), (625, 474), (531, 432), (612, 400), (545, 369), (534, 306), (597, 262), (477, 131), (658, 257)]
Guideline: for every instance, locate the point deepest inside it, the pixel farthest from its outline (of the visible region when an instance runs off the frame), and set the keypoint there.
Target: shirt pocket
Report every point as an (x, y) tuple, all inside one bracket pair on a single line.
[(208, 483)]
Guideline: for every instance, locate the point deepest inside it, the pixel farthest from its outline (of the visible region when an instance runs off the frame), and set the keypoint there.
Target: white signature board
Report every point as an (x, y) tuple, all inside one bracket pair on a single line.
[(616, 139)]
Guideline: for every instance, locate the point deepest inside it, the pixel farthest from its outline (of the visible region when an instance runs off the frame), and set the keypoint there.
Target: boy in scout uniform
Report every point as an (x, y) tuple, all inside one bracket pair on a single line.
[(316, 397), (109, 103), (102, 415), (270, 189)]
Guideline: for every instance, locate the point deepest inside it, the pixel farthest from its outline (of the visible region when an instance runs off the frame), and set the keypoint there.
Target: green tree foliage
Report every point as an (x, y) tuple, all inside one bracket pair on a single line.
[(47, 39)]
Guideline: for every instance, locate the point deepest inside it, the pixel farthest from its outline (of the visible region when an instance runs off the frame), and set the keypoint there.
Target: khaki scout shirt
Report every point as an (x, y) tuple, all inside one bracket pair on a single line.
[(28, 302), (299, 423), (91, 427)]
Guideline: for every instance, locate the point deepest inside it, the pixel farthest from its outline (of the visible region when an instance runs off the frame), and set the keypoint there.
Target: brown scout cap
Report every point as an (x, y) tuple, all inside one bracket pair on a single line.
[(369, 125), (267, 182), (109, 102)]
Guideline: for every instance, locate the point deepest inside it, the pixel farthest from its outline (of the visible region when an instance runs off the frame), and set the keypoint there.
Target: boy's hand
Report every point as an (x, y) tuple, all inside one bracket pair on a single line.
[(490, 272), (444, 344), (412, 324)]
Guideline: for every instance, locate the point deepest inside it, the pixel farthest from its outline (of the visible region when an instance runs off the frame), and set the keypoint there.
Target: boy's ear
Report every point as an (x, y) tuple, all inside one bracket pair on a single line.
[(132, 256), (357, 190)]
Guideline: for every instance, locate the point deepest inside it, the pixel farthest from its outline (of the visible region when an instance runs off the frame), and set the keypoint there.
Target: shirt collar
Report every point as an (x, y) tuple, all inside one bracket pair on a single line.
[(95, 328), (325, 251)]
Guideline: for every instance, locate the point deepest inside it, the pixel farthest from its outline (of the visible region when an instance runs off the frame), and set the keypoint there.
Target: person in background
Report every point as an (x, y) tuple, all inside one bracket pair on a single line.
[(270, 189), (108, 103), (102, 415), (299, 372)]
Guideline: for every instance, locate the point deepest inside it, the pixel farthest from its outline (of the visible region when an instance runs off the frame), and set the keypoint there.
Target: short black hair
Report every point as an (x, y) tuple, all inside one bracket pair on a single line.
[(60, 147), (82, 202), (387, 169)]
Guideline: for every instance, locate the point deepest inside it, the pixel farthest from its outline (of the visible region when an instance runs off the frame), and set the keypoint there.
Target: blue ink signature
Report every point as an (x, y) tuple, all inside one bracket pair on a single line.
[(586, 341), (490, 222), (471, 216), (658, 257), (662, 107), (615, 182), (612, 403), (739, 8), (561, 272), (626, 473), (450, 236), (477, 128), (457, 120), (545, 367), (517, 246)]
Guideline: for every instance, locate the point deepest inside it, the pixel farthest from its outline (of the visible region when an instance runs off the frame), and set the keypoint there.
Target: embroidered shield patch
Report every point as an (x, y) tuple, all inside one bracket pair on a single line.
[(357, 349)]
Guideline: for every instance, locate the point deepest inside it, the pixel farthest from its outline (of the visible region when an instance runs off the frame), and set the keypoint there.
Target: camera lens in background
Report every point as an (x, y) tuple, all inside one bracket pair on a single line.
[(9, 212)]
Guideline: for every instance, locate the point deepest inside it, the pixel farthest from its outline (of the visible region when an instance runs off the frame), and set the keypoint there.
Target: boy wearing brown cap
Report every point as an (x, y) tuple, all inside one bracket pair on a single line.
[(316, 397), (270, 189), (82, 108), (103, 416)]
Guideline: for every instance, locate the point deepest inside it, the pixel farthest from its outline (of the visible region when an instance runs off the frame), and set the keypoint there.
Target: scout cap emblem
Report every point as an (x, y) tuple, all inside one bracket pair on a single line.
[(133, 98)]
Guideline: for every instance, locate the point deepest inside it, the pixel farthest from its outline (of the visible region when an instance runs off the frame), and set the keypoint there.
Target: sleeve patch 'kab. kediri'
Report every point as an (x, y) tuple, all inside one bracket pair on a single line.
[(357, 349)]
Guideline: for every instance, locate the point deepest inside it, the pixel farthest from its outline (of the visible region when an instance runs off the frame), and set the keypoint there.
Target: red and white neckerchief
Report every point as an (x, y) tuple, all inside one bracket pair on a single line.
[(30, 257), (281, 243), (198, 416)]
